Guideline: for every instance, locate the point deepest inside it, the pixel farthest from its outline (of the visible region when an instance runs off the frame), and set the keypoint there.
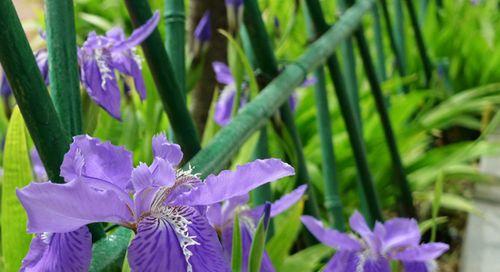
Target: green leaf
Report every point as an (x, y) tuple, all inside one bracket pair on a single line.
[(108, 253), (17, 174), (436, 203), (428, 224), (237, 250), (259, 242), (287, 229), (307, 260)]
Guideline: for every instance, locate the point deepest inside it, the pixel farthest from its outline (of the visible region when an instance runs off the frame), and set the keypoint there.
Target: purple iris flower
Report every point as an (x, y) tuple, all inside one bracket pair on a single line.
[(396, 240), (221, 216), (167, 210), (203, 31), (224, 105), (38, 168), (41, 57), (99, 58)]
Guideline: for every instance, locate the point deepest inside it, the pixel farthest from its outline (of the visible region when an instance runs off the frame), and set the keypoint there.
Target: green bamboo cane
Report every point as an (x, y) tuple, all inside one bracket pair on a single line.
[(379, 44), (266, 62), (365, 179), (405, 197), (63, 72), (332, 200), (423, 11), (420, 42), (32, 97), (333, 203), (175, 18), (255, 114), (399, 32), (263, 193), (349, 65), (394, 47), (164, 77)]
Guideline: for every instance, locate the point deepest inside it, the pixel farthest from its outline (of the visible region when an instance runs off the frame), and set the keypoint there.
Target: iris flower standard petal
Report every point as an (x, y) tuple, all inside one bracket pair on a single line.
[(168, 151), (396, 240), (203, 31)]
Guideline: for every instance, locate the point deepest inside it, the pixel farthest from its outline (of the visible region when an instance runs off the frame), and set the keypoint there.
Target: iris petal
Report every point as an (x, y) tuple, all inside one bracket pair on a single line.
[(330, 237), (164, 149)]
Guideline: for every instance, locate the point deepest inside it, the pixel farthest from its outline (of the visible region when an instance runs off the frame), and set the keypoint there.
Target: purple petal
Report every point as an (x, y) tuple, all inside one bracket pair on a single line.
[(116, 33), (235, 3), (419, 267), (422, 253), (224, 106), (282, 204), (358, 224), (168, 151), (140, 34), (42, 59), (378, 264), (398, 233), (38, 168), (99, 80), (70, 251), (292, 100), (5, 89), (309, 82), (90, 159), (66, 207), (343, 261), (128, 63), (220, 214), (228, 184), (330, 237), (222, 73), (175, 241), (203, 31)]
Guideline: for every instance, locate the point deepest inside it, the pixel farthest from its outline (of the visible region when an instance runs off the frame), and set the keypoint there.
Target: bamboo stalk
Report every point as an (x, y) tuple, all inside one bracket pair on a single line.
[(420, 43), (423, 11), (333, 203), (399, 32), (63, 72), (255, 114), (263, 193), (175, 18), (379, 44), (405, 197), (266, 62), (40, 115), (164, 77), (349, 65), (394, 47), (366, 183)]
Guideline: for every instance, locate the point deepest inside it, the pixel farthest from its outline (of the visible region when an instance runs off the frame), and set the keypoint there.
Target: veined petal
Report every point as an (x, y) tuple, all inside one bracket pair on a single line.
[(398, 233), (420, 266), (343, 261), (282, 204), (162, 172), (330, 237), (422, 253), (358, 224), (66, 207), (91, 159), (128, 63), (379, 264), (140, 34), (222, 73), (176, 239), (116, 33), (228, 184), (224, 106), (164, 149), (70, 251)]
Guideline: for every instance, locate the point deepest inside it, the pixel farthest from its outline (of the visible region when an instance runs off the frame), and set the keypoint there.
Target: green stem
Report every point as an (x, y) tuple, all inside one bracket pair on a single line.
[(379, 44), (388, 24), (420, 43), (405, 197), (64, 81), (166, 82), (366, 183), (399, 33), (32, 97), (263, 193), (266, 62), (175, 18)]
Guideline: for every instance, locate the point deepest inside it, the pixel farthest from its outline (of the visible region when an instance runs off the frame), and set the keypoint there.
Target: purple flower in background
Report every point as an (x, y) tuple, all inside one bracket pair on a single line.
[(167, 210), (224, 105), (221, 216), (397, 239), (41, 57), (203, 31), (99, 58)]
